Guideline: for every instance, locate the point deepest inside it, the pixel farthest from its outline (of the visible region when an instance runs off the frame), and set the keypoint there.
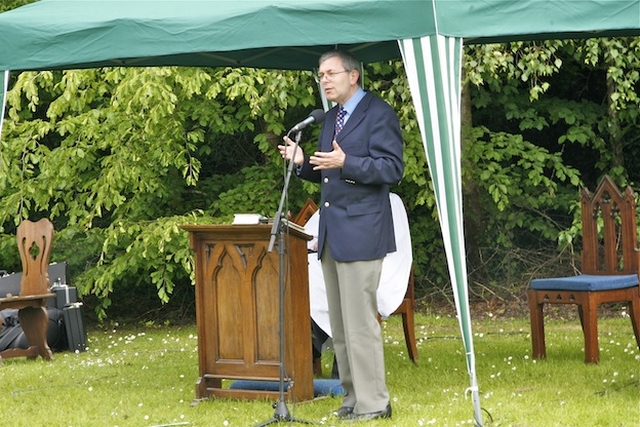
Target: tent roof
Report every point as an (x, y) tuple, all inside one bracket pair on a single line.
[(285, 34)]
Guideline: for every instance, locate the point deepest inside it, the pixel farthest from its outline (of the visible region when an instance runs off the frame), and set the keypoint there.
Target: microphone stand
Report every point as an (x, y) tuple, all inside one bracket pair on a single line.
[(281, 413)]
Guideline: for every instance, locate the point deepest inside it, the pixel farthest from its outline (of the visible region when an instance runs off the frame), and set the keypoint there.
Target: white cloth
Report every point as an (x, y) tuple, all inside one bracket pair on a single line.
[(396, 268)]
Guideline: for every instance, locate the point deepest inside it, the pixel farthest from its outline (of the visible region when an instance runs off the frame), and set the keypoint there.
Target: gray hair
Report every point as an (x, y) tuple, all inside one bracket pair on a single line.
[(349, 62)]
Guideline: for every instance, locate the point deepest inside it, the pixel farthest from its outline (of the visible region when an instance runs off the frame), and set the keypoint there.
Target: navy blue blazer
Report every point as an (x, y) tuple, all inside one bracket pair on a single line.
[(355, 212)]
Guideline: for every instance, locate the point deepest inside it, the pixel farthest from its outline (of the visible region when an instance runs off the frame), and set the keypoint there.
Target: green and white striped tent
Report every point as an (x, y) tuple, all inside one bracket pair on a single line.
[(291, 34)]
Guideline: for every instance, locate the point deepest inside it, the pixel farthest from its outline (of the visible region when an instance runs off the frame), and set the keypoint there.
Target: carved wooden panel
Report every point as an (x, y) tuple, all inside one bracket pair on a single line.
[(237, 306)]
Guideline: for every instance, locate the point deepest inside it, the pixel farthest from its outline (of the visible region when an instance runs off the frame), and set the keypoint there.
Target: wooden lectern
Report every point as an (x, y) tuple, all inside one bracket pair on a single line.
[(237, 310)]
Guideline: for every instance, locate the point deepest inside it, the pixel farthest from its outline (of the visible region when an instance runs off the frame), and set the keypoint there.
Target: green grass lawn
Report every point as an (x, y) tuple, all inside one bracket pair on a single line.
[(145, 376)]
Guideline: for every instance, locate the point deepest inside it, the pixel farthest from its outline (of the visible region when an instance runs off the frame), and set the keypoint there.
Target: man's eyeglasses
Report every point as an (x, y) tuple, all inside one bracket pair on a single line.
[(329, 75)]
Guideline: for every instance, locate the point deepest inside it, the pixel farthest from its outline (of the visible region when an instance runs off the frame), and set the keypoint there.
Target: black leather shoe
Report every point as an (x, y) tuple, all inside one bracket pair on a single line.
[(385, 413), (343, 412)]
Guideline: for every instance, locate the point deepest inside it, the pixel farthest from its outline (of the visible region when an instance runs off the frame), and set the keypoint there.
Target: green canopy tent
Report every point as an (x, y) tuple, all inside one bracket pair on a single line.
[(291, 34)]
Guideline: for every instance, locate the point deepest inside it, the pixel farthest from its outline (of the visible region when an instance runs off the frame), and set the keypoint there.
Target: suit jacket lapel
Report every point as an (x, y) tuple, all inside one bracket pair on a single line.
[(355, 118), (326, 138)]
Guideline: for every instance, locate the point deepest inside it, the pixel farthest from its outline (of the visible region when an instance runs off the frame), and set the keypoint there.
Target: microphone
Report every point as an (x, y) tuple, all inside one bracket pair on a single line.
[(316, 116)]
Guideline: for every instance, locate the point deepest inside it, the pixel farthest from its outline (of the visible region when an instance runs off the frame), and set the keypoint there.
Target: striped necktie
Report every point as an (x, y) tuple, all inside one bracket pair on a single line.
[(340, 120)]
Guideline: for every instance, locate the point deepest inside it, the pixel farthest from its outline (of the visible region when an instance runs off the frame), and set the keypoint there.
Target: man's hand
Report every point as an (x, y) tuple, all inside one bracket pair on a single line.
[(331, 160), (286, 151)]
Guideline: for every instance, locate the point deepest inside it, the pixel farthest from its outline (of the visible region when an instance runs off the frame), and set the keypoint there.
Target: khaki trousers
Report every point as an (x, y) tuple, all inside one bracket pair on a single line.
[(357, 337)]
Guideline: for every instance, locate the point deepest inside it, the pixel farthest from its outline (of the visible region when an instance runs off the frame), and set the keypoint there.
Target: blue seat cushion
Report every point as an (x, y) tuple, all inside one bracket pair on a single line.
[(586, 282), (321, 387)]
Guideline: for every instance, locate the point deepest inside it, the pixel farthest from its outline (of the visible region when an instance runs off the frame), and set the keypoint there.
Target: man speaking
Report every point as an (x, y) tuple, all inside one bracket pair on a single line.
[(359, 156)]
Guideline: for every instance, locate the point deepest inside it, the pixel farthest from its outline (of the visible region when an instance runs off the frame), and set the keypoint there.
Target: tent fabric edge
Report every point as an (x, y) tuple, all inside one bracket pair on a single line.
[(4, 85)]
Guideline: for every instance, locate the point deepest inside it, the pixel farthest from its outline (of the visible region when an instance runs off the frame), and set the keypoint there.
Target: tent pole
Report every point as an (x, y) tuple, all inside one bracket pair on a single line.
[(433, 65)]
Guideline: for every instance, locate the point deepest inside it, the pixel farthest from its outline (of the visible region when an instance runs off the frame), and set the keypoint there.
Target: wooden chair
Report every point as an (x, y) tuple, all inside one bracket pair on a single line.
[(34, 244), (406, 306), (405, 309), (610, 262), (307, 211)]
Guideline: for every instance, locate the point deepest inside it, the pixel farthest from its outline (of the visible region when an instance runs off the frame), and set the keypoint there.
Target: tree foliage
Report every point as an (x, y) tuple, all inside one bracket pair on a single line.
[(548, 118), (120, 158)]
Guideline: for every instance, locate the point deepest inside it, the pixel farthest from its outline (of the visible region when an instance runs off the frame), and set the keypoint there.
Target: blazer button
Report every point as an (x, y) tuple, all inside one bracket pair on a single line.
[(326, 204)]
